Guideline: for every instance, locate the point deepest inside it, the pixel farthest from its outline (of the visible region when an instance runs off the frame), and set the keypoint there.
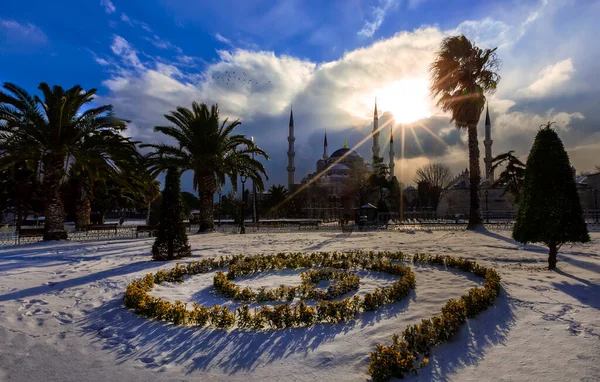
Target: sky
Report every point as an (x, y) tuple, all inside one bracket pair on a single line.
[(326, 59)]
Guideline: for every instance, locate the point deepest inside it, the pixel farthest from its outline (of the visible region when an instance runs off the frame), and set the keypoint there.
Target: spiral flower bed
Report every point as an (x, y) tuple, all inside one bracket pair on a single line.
[(344, 282), (407, 352), (334, 266)]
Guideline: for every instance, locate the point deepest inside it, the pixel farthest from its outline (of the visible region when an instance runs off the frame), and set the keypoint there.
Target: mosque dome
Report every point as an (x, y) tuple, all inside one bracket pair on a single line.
[(340, 167), (341, 152)]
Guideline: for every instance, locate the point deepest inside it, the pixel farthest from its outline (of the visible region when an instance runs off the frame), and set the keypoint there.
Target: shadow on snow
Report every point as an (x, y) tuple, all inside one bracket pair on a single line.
[(468, 347)]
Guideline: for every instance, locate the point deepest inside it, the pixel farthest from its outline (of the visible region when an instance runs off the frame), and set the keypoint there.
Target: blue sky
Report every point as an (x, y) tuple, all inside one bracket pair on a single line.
[(59, 38), (328, 58)]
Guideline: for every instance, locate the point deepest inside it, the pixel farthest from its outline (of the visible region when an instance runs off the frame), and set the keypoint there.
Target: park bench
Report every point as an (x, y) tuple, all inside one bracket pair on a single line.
[(151, 229), (103, 227), (29, 232), (309, 225)]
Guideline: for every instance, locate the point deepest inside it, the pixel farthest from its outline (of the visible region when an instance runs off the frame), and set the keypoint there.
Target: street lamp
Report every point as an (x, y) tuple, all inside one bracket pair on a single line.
[(220, 191), (254, 212), (487, 213), (596, 202), (243, 178)]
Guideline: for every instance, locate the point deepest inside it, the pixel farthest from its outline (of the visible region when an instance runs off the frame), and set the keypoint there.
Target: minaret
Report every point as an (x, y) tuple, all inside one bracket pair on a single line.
[(291, 153), (392, 164), (325, 156), (489, 174), (375, 133)]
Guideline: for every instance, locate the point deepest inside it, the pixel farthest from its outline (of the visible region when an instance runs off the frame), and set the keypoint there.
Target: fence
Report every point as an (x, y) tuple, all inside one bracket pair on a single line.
[(9, 237)]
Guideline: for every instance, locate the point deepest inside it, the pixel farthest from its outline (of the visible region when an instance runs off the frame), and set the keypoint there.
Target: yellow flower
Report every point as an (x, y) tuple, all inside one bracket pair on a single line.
[(426, 360)]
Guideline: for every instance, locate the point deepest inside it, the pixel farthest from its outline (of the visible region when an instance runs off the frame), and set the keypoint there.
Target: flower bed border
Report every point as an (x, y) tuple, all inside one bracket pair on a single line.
[(307, 290), (408, 351), (137, 295)]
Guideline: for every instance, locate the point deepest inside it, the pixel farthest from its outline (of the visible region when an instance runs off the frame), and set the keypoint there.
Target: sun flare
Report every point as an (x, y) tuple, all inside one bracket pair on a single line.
[(407, 100)]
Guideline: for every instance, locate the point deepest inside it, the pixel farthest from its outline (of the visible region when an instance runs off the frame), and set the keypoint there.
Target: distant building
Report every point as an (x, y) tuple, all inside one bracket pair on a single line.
[(588, 187), (499, 203), (332, 173)]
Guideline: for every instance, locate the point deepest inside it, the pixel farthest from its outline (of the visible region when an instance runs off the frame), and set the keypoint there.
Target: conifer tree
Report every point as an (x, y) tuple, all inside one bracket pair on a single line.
[(171, 241), (550, 211)]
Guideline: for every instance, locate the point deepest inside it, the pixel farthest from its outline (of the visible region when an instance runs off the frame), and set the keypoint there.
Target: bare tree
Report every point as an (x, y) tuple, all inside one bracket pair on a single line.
[(434, 178)]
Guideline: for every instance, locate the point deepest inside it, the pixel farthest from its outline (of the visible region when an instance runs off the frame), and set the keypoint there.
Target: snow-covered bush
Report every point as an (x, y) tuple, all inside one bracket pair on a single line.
[(403, 355), (408, 351)]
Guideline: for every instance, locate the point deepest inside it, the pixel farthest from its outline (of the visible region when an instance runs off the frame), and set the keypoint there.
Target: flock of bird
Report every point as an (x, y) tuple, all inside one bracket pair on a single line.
[(230, 78)]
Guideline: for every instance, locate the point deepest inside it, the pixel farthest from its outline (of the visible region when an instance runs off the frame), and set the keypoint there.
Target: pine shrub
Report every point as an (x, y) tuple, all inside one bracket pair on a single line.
[(171, 241), (550, 211)]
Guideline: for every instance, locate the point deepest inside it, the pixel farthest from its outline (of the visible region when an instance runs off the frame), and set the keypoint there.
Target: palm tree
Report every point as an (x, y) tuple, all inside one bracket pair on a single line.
[(211, 150), (513, 175), (21, 169), (101, 154), (461, 75), (152, 192), (278, 195), (54, 129)]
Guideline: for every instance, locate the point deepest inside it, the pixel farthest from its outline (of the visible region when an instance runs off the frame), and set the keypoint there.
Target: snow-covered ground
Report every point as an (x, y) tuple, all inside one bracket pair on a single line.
[(62, 317)]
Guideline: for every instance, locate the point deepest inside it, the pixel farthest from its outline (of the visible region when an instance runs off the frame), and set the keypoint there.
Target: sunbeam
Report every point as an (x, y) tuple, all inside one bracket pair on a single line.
[(417, 141)]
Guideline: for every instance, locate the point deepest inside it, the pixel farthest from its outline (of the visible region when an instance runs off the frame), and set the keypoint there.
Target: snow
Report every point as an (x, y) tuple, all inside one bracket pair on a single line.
[(62, 317)]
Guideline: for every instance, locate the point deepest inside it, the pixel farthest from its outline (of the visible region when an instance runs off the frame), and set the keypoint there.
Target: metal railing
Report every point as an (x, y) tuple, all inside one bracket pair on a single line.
[(9, 237)]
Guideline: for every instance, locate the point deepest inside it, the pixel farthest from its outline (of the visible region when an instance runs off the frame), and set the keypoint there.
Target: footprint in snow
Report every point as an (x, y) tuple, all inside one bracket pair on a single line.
[(64, 318)]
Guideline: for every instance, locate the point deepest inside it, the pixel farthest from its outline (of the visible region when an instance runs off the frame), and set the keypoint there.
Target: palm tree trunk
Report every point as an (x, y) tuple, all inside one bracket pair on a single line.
[(552, 256), (54, 211), (84, 206), (206, 191), (474, 178), (21, 209), (148, 213)]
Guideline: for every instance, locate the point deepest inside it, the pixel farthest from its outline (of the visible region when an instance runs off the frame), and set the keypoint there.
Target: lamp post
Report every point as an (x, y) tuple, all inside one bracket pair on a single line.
[(220, 191), (487, 213), (243, 178), (595, 191), (254, 212)]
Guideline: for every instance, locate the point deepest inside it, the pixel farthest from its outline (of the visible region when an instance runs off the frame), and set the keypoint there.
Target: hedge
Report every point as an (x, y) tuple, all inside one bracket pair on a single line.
[(334, 265), (409, 351)]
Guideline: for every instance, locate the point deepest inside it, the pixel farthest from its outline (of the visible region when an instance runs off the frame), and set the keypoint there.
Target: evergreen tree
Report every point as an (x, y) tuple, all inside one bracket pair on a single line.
[(512, 176), (171, 240), (378, 179), (550, 211)]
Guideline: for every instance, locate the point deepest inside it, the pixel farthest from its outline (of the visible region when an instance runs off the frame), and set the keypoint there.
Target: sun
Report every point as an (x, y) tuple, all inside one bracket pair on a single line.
[(407, 100)]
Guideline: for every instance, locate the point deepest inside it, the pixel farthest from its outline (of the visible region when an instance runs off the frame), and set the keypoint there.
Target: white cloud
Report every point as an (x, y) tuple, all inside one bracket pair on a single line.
[(491, 33), (412, 4), (128, 55), (550, 79), (133, 23), (126, 18), (486, 32), (532, 17), (108, 6), (222, 39), (163, 44), (336, 95), (101, 61), (16, 32), (379, 12)]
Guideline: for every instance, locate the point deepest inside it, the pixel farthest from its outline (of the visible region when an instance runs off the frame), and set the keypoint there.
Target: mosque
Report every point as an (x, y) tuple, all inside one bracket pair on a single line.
[(332, 173)]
